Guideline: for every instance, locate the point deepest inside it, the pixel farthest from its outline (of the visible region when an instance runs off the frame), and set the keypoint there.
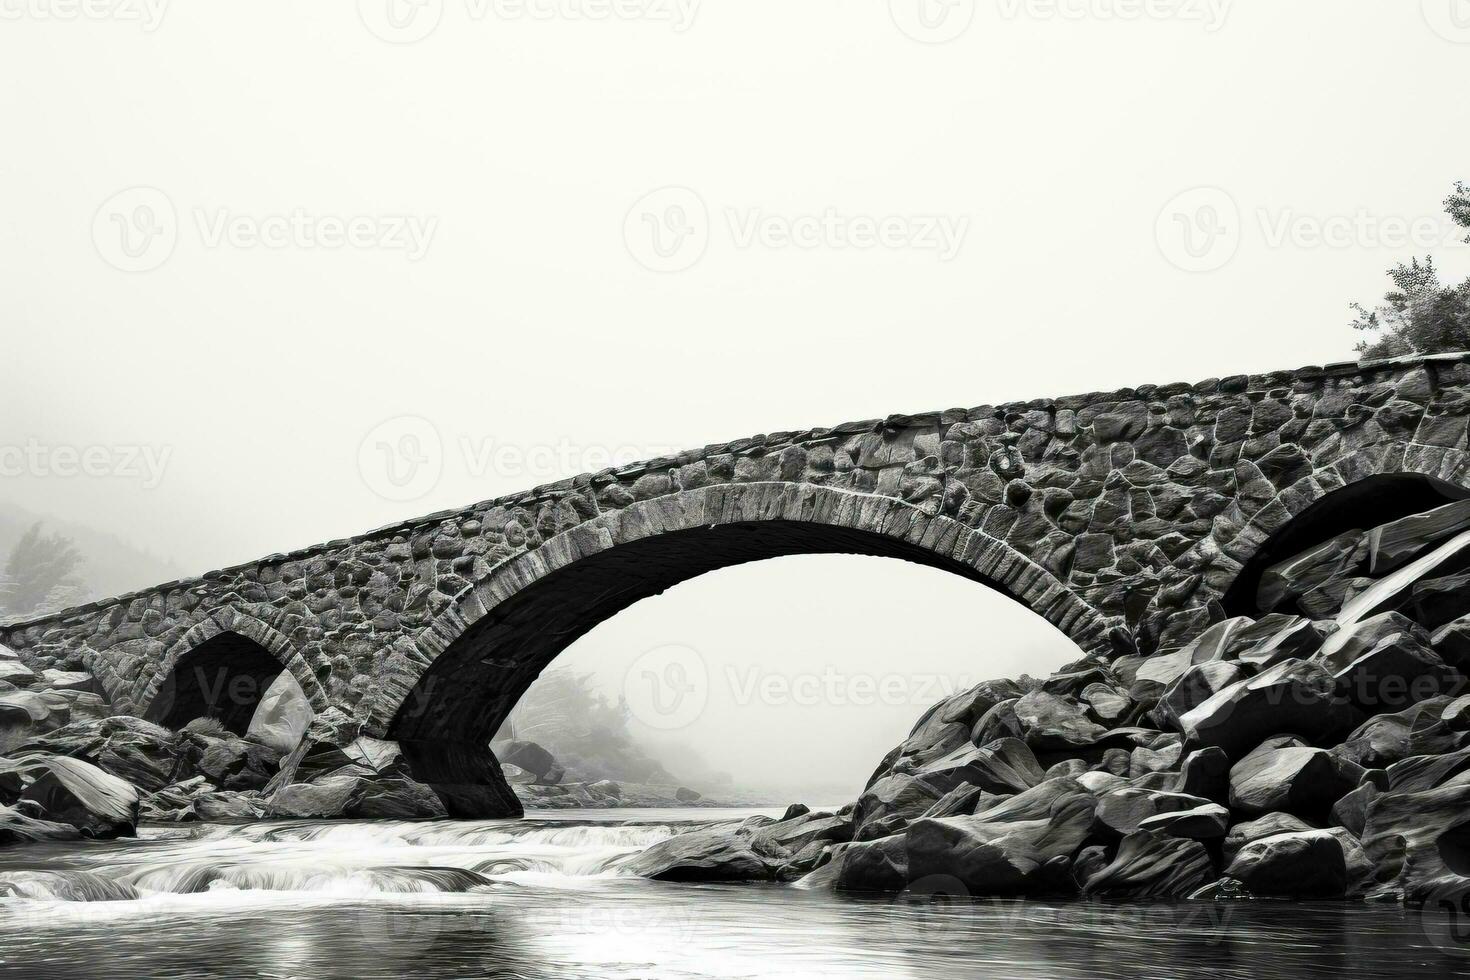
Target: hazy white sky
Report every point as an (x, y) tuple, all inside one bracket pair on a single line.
[(239, 238)]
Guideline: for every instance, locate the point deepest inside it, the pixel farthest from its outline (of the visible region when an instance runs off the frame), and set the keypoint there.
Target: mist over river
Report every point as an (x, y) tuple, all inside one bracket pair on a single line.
[(543, 897)]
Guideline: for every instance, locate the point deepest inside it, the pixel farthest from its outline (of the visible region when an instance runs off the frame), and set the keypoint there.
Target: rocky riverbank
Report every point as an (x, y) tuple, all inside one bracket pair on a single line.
[(1321, 750)]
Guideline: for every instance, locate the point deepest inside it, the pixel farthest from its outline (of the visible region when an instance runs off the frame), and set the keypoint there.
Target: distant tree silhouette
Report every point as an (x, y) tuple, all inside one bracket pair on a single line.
[(40, 575), (1420, 315)]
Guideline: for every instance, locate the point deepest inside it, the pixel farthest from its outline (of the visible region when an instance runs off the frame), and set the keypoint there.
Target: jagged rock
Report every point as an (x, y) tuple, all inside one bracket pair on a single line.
[(1300, 864), (870, 866), (1006, 765), (1357, 638), (686, 795), (1438, 601), (1207, 821), (1295, 696), (719, 853), (1143, 760), (1151, 865), (1193, 688), (528, 756), (13, 671), (1452, 642), (1395, 544), (1426, 771), (606, 787), (1267, 826), (18, 828), (1088, 862), (1221, 641), (224, 806), (1419, 842), (24, 715), (1123, 810), (1395, 673), (283, 715), (394, 799), (1293, 779), (1351, 812), (962, 800), (328, 796), (130, 748), (1336, 558), (795, 834), (1385, 739), (1394, 590), (1019, 845), (1327, 601), (78, 793), (67, 680), (1109, 704), (1297, 638), (229, 761), (997, 723), (1052, 722), (888, 805), (1067, 767)]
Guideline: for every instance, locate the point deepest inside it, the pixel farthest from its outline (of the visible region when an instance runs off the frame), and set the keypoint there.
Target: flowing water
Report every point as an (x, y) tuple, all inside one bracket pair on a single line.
[(544, 897)]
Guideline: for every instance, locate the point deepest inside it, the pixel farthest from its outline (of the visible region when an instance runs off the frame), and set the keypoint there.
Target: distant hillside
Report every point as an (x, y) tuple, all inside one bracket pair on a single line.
[(113, 565)]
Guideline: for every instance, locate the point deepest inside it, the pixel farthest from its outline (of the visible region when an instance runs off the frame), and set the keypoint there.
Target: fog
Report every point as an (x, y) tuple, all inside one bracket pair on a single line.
[(243, 244)]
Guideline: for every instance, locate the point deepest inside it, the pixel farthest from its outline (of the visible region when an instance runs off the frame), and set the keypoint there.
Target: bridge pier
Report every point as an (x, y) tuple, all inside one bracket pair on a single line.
[(465, 775)]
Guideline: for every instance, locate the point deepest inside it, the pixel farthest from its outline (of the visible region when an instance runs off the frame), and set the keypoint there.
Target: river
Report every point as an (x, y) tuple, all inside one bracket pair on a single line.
[(543, 898)]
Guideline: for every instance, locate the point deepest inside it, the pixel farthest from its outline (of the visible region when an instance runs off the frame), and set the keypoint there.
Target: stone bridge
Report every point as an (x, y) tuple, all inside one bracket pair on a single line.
[(1130, 520)]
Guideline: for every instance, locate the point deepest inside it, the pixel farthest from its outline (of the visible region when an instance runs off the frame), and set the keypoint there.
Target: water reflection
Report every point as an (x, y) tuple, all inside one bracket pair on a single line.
[(543, 898)]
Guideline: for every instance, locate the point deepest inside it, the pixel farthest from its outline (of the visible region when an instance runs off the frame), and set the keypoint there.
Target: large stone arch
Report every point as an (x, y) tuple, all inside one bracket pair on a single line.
[(220, 625), (493, 640)]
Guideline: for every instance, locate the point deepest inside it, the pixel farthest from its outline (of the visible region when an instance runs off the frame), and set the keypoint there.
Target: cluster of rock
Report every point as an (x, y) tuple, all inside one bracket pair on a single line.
[(70, 771), (540, 782), (1283, 756)]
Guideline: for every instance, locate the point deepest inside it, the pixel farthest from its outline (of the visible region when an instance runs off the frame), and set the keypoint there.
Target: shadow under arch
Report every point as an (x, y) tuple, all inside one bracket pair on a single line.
[(1360, 505), (484, 652), (220, 669)]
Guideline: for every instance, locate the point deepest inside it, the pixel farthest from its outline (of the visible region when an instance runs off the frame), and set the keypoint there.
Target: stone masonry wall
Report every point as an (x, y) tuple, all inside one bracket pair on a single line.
[(1143, 502)]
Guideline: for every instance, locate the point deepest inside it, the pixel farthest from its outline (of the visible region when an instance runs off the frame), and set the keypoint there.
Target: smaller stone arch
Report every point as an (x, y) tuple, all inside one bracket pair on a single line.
[(237, 655), (1230, 560)]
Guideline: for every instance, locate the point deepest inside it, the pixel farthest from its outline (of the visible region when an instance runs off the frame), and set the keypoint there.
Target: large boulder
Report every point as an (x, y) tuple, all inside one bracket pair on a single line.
[(1398, 671), (531, 757), (327, 797), (1193, 688), (888, 805), (720, 853), (870, 866), (1294, 696), (1298, 864), (1268, 826), (19, 828), (130, 748), (1124, 810), (1419, 842), (1296, 779), (1388, 738), (1151, 865), (394, 799), (1050, 721), (1208, 821), (1006, 765), (24, 715), (1395, 589), (78, 793), (283, 715), (1020, 845)]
